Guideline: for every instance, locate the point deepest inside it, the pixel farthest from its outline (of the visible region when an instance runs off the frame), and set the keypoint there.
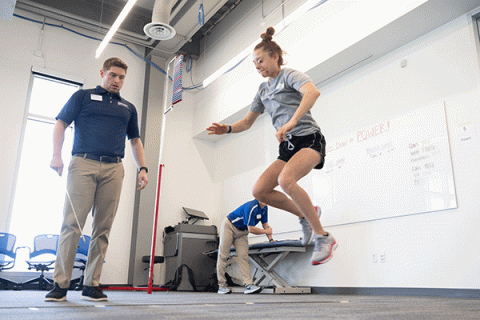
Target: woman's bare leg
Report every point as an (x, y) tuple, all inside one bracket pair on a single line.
[(264, 190), (296, 168)]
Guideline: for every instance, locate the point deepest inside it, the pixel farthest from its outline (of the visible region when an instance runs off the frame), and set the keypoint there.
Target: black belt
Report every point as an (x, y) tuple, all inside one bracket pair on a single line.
[(99, 158), (235, 225)]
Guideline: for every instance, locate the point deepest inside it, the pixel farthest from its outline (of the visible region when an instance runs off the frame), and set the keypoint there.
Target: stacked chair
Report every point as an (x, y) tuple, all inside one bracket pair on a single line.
[(8, 256), (42, 259)]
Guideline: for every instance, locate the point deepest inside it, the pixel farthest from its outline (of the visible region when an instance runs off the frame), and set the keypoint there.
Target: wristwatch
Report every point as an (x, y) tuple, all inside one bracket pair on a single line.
[(143, 168)]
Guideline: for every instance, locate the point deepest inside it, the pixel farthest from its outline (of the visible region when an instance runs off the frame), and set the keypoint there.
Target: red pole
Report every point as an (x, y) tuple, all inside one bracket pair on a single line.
[(154, 236)]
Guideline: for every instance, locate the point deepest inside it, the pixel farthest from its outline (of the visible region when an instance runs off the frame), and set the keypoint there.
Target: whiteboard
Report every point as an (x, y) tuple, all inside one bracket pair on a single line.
[(396, 167)]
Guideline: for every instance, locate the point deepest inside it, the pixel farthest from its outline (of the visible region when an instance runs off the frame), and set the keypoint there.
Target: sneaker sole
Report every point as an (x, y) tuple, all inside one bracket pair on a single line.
[(254, 291), (56, 299), (334, 246), (93, 299), (224, 292)]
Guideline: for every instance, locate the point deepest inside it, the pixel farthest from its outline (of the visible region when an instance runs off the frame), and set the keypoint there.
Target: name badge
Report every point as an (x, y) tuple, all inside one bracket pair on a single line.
[(123, 104), (259, 216), (96, 97)]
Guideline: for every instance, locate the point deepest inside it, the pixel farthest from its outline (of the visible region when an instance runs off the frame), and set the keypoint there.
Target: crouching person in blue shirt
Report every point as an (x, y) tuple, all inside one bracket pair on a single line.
[(235, 229)]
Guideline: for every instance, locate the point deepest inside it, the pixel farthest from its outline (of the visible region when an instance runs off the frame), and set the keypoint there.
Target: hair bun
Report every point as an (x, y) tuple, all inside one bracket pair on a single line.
[(268, 35)]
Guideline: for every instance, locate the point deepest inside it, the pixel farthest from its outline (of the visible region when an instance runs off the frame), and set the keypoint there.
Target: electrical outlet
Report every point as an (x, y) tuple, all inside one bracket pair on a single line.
[(383, 258), (374, 258)]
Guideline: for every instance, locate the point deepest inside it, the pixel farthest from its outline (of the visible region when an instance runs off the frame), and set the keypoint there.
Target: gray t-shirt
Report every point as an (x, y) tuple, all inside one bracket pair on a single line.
[(281, 98)]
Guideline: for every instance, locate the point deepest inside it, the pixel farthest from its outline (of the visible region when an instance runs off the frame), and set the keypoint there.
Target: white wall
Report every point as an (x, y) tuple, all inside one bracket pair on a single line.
[(431, 250), (145, 215), (70, 54), (188, 175)]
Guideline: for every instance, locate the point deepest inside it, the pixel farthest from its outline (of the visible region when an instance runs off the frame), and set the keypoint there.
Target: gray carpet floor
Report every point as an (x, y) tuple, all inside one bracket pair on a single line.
[(189, 305)]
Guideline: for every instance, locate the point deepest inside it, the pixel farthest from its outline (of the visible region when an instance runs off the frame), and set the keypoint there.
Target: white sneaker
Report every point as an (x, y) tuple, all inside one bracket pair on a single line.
[(324, 246), (224, 290), (251, 288), (307, 229)]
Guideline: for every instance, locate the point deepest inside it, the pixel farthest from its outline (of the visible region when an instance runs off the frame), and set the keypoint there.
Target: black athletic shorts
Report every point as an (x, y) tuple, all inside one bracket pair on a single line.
[(293, 144)]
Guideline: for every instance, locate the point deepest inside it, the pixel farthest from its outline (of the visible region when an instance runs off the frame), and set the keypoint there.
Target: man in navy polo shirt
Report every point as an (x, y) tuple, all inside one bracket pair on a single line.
[(234, 230), (102, 121)]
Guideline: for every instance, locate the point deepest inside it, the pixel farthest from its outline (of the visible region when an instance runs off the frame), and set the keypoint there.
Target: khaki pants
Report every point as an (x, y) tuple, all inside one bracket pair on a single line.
[(230, 234), (91, 184)]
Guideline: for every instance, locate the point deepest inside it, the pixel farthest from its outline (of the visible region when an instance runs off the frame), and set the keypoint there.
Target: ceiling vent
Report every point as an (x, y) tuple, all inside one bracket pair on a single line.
[(159, 28)]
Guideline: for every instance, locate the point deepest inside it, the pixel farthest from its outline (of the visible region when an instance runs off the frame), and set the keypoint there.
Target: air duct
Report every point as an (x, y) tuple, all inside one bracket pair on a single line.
[(159, 28)]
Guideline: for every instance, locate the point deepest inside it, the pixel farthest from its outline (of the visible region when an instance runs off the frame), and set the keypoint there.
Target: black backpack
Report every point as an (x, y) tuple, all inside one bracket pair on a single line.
[(176, 283)]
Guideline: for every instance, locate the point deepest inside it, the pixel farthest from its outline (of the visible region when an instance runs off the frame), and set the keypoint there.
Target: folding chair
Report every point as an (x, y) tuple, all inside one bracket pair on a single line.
[(7, 257), (42, 258), (80, 263)]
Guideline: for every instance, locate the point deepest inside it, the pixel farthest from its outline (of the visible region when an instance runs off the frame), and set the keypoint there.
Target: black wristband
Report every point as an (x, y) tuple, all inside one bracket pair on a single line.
[(143, 168), (271, 240), (229, 129)]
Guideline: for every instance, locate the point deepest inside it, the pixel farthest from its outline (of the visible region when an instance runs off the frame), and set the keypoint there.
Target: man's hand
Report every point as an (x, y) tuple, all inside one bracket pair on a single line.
[(142, 180), (57, 165)]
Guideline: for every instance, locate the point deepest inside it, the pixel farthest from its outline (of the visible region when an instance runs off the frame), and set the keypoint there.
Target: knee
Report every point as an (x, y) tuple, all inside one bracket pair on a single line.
[(259, 193), (222, 258), (286, 183)]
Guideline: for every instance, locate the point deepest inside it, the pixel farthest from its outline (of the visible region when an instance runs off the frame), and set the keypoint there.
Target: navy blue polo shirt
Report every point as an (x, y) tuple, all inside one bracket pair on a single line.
[(102, 120), (249, 214)]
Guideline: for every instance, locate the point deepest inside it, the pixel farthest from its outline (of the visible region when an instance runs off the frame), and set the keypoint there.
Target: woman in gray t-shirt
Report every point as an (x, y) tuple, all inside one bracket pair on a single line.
[(287, 96)]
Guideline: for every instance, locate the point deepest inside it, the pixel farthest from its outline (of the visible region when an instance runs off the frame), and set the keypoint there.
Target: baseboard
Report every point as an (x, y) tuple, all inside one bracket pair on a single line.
[(106, 285), (424, 292)]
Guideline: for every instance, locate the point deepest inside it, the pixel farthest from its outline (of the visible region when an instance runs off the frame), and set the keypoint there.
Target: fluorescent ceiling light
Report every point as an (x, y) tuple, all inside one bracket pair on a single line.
[(115, 26), (279, 27), (238, 58)]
